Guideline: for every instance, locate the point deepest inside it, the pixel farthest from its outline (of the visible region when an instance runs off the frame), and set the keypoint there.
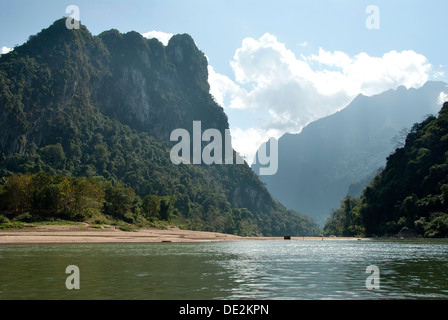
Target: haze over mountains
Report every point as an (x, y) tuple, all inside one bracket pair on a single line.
[(317, 166)]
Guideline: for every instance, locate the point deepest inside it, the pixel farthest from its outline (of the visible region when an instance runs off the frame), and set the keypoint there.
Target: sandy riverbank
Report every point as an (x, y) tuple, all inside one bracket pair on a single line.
[(86, 234)]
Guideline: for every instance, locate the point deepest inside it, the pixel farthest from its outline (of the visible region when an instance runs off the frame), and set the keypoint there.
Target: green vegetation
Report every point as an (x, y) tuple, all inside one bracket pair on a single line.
[(346, 221), (410, 194), (32, 198), (29, 198), (84, 135)]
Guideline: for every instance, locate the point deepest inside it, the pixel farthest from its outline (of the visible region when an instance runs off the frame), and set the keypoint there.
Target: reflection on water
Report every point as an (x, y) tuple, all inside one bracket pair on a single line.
[(228, 270)]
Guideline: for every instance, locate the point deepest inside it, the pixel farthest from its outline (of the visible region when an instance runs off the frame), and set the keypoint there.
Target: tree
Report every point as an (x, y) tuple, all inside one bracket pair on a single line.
[(166, 206), (86, 197), (118, 201), (346, 221), (151, 207), (53, 155), (16, 196), (46, 195), (399, 139)]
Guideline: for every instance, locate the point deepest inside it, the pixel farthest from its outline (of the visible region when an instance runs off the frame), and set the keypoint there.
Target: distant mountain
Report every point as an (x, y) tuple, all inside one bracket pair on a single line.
[(409, 197), (412, 191), (317, 166), (103, 107)]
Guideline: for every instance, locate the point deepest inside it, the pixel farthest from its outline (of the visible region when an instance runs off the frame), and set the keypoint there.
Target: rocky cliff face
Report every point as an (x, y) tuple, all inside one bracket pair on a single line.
[(157, 88), (141, 82), (105, 106)]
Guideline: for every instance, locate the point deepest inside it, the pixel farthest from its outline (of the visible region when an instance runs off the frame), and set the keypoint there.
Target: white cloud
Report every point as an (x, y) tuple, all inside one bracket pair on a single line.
[(247, 141), (294, 91), (443, 97), (369, 75), (5, 50), (337, 58), (225, 91), (161, 36)]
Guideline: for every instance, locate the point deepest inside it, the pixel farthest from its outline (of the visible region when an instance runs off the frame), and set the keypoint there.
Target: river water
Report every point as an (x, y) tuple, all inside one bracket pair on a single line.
[(268, 270)]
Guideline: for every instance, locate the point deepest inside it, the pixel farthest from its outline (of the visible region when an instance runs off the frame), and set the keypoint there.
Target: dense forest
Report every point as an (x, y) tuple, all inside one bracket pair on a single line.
[(85, 125), (409, 197)]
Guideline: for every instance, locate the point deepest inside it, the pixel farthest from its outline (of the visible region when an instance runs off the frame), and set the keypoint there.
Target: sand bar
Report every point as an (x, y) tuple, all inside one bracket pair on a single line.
[(86, 234)]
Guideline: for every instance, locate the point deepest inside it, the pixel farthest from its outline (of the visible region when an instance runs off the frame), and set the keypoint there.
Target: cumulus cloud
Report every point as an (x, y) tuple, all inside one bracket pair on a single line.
[(5, 50), (159, 35), (443, 97), (286, 92), (247, 141), (372, 75)]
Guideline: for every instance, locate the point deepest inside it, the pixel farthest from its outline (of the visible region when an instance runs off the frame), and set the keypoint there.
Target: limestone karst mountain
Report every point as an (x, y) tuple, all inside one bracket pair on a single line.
[(74, 104)]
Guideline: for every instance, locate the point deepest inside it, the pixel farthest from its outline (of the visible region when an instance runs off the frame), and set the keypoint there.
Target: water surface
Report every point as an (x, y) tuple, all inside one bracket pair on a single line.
[(299, 270)]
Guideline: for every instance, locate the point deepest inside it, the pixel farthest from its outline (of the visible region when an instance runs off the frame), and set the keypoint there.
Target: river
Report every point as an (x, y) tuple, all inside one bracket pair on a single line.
[(268, 270)]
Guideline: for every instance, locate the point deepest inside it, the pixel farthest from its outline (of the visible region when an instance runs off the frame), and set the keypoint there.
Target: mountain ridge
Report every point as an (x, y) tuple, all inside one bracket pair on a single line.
[(409, 197), (319, 164), (103, 107)]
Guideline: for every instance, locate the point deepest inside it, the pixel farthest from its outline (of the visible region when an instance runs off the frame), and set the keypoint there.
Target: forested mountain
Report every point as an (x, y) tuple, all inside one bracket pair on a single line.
[(102, 108), (410, 196), (317, 167)]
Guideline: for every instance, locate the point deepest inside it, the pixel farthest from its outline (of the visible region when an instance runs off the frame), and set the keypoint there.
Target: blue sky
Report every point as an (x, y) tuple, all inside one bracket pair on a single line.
[(219, 26), (276, 65)]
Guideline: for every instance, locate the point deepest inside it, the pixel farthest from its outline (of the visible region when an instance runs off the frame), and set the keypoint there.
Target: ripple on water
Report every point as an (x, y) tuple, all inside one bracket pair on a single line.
[(229, 270)]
